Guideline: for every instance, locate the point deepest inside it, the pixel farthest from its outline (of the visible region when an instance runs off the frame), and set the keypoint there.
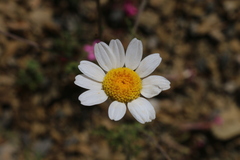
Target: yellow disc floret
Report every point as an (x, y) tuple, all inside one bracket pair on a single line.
[(122, 84)]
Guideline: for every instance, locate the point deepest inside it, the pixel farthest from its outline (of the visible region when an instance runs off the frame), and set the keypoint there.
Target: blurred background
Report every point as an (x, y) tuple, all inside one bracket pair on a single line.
[(42, 43)]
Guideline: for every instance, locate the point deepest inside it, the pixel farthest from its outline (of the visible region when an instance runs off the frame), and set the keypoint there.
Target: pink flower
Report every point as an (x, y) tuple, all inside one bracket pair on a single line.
[(218, 120), (90, 50), (130, 9)]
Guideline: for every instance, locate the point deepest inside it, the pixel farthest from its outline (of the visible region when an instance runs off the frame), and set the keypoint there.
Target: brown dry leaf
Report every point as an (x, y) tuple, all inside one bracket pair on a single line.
[(7, 80), (218, 35), (149, 19), (156, 3), (182, 49), (103, 2), (38, 129), (102, 150), (85, 149), (55, 135), (52, 93), (72, 148), (67, 109), (231, 124), (166, 138), (120, 156), (165, 119), (18, 25), (237, 27), (213, 66), (197, 11), (11, 49), (3, 26), (22, 62), (83, 137), (7, 151), (165, 6), (234, 45), (40, 113), (34, 3), (211, 22), (41, 18), (107, 123), (8, 9), (168, 7), (231, 5), (8, 96), (36, 99), (88, 9), (163, 35)]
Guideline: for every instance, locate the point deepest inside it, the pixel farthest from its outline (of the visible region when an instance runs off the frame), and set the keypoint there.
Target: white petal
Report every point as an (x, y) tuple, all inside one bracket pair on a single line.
[(148, 106), (116, 110), (92, 97), (134, 54), (148, 65), (158, 81), (142, 110), (151, 110), (150, 91), (135, 114), (91, 70), (118, 51), (104, 56), (85, 82)]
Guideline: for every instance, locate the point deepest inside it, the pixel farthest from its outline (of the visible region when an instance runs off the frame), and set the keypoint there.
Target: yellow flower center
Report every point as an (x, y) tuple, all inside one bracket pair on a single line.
[(122, 84)]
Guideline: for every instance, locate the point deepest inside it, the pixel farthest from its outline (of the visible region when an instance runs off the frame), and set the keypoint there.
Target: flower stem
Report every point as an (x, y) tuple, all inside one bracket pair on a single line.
[(99, 20), (140, 10)]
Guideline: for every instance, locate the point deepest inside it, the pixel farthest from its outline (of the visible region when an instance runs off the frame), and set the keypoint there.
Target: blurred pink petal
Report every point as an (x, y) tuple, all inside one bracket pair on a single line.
[(218, 120), (91, 57), (96, 41), (130, 9), (90, 50)]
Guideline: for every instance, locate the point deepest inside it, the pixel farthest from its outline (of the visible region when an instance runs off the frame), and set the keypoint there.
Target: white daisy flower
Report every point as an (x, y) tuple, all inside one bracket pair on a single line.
[(123, 79)]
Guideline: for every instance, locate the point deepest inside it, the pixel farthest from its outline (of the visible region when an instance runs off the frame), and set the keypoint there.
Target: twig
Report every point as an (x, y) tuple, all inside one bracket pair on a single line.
[(163, 152), (159, 147), (99, 20), (140, 10), (13, 36)]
